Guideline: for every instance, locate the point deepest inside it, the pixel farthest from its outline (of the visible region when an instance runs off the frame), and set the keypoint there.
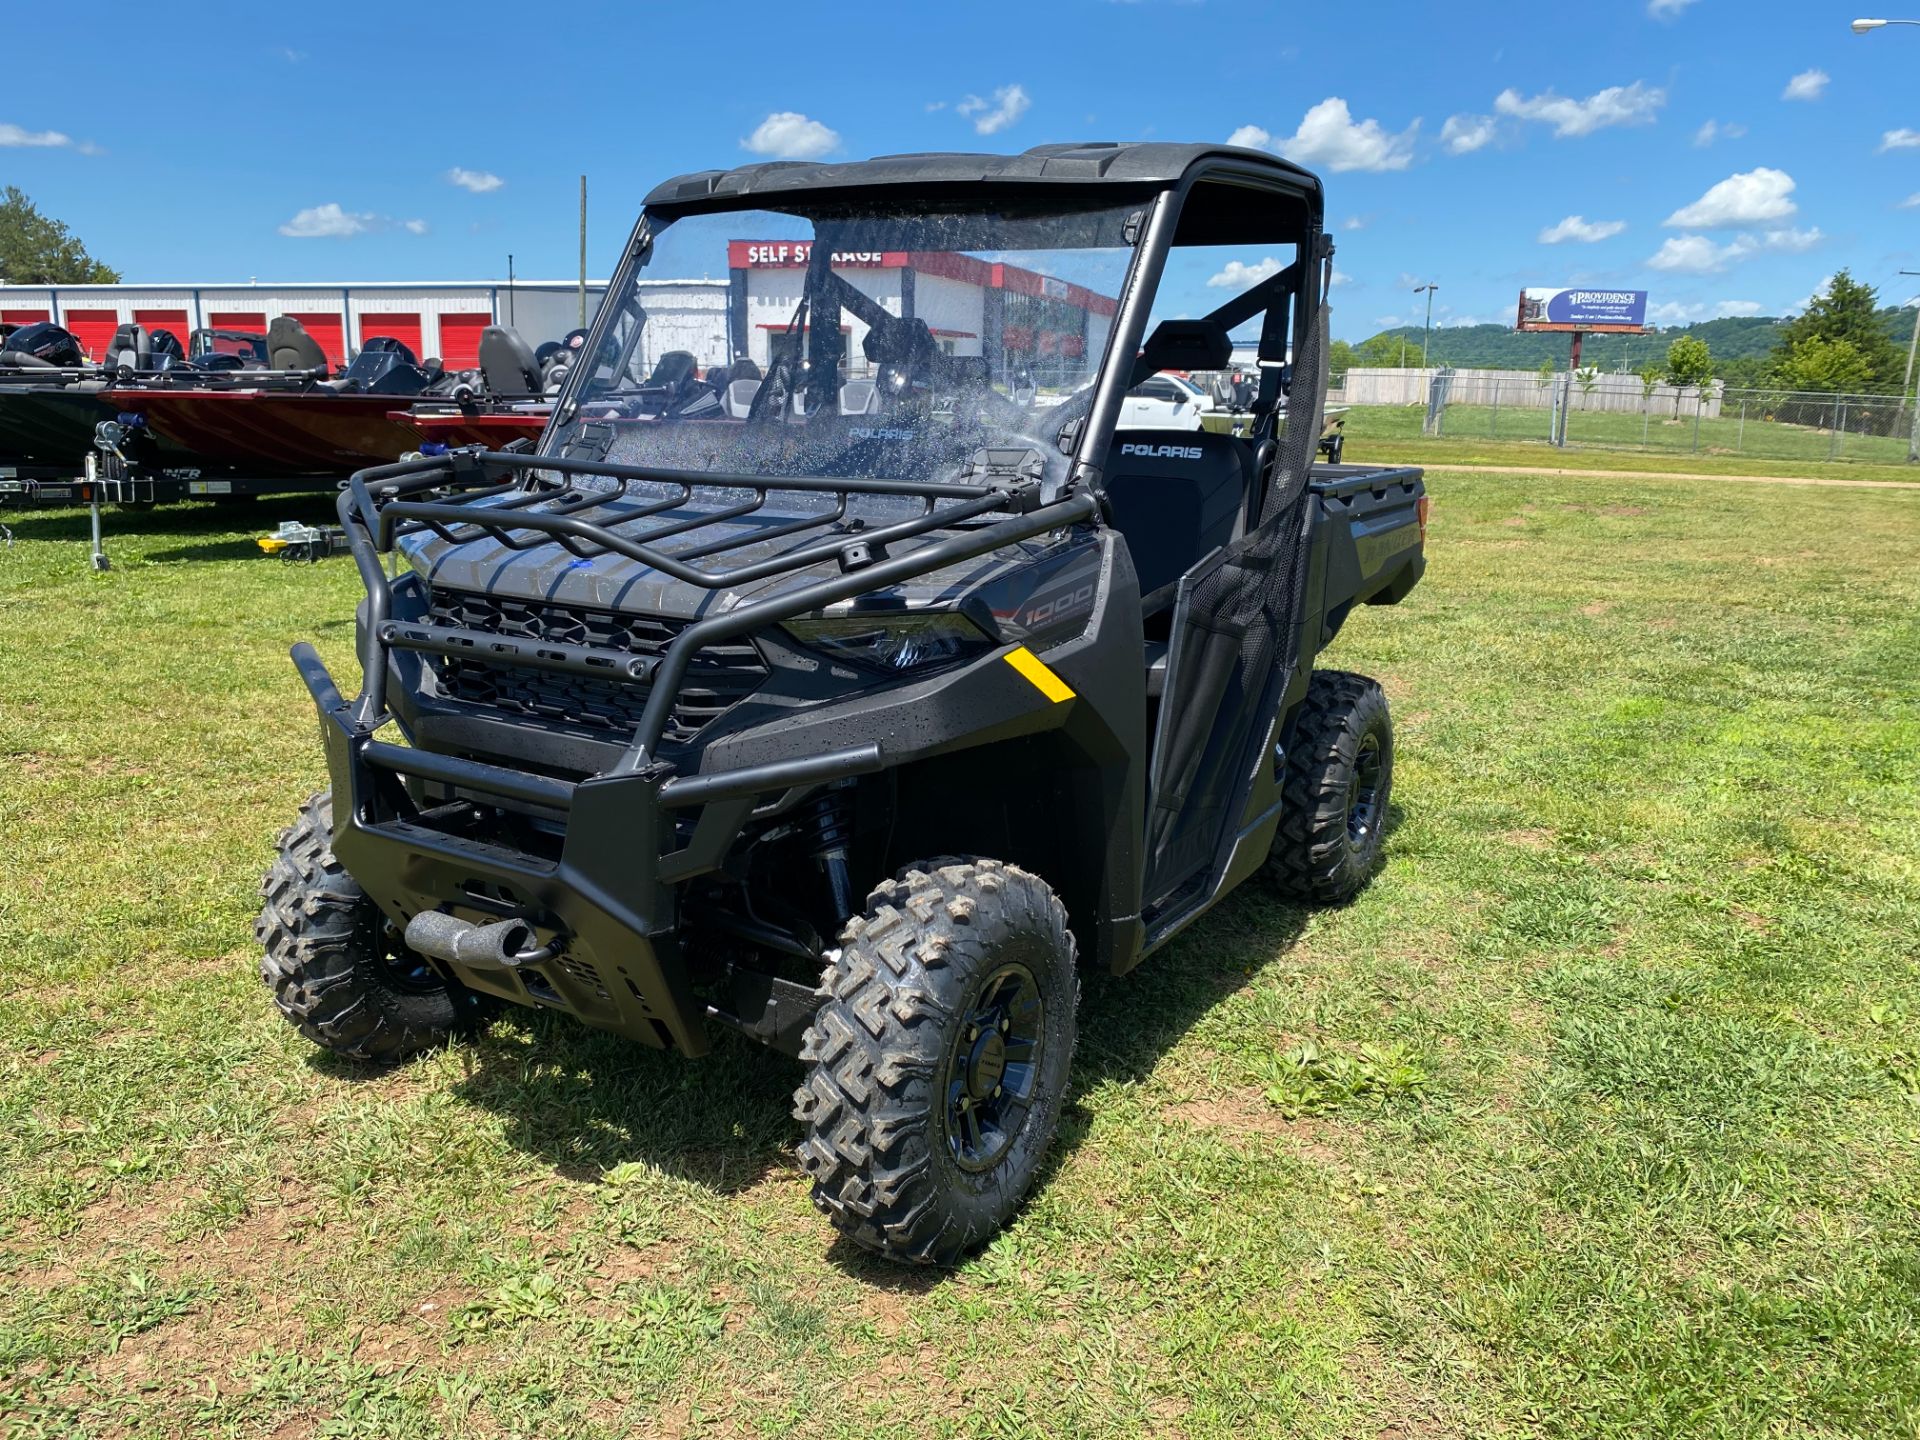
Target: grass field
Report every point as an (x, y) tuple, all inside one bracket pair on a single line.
[(1598, 1114), (1677, 441)]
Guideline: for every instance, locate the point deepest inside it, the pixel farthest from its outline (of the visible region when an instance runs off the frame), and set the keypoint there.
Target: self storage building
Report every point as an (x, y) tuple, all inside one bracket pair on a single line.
[(1013, 315)]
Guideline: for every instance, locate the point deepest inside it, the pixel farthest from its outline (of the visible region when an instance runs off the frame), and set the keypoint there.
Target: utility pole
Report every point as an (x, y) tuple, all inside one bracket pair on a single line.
[(583, 252), (1427, 335), (1906, 393)]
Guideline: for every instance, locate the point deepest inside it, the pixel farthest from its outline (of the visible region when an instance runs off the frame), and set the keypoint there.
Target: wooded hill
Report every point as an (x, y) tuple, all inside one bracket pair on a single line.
[(1498, 347)]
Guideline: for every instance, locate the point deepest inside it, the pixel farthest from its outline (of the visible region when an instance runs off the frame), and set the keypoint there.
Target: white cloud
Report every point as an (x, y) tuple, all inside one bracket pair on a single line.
[(1807, 85), (1009, 103), (1340, 277), (1673, 312), (12, 136), (414, 227), (1634, 104), (1818, 290), (1912, 202), (933, 105), (1578, 227), (1240, 276), (789, 135), (1713, 130), (1464, 134), (1667, 9), (1730, 309), (1330, 136), (1789, 241), (478, 181), (1748, 198), (1901, 139), (327, 221), (1354, 222), (1702, 255)]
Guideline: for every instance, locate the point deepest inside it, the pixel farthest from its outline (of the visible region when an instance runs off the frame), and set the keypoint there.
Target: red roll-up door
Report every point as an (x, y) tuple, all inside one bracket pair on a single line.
[(174, 320), (24, 317), (93, 329), (400, 325), (328, 329), (460, 340)]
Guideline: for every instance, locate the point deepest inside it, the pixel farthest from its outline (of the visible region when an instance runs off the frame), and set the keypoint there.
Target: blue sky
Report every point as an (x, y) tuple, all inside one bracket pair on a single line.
[(1726, 155)]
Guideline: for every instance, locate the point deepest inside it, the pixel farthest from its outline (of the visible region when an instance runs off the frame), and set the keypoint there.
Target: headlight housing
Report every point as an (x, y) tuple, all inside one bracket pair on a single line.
[(894, 642)]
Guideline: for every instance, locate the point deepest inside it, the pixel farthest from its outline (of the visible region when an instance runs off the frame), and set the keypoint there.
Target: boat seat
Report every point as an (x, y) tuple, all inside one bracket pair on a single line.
[(1157, 666), (859, 397), (507, 362), (131, 346), (740, 395), (1177, 496), (290, 347)]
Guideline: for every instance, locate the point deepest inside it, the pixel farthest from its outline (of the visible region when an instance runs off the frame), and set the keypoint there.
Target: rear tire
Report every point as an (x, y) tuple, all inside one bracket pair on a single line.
[(1334, 795), (938, 1062), (335, 963)]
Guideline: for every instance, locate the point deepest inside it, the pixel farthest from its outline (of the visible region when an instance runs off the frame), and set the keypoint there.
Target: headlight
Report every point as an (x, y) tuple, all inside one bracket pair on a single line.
[(894, 641)]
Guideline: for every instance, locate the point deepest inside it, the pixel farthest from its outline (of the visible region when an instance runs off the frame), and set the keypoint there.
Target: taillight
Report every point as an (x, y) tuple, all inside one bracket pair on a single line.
[(1424, 504)]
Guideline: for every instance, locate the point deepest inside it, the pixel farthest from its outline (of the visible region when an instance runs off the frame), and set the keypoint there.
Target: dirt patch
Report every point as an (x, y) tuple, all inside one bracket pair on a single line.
[(1240, 1114), (1593, 609), (1531, 838)]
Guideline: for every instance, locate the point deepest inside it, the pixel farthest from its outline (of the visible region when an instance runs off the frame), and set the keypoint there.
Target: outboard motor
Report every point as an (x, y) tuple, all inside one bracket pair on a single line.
[(385, 366), (165, 351), (43, 344)]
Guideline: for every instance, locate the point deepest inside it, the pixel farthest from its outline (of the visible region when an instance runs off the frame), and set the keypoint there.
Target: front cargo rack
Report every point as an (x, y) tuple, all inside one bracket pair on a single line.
[(521, 501)]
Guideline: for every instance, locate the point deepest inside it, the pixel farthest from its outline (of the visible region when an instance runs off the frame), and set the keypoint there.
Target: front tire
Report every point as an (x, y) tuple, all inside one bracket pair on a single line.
[(334, 962), (938, 1062), (1334, 796)]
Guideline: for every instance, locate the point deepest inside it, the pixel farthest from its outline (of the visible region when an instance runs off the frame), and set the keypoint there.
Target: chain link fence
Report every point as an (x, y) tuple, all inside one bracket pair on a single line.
[(1621, 412)]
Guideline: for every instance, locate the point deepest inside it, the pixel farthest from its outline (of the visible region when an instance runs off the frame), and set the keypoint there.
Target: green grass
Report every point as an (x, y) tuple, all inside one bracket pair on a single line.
[(1675, 441), (1598, 1114)]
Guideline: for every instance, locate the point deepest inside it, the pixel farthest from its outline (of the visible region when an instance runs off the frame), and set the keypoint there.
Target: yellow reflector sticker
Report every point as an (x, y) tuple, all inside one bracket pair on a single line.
[(1043, 679)]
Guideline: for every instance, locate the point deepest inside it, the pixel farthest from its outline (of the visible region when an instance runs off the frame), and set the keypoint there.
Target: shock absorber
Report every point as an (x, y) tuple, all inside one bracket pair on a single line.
[(830, 817)]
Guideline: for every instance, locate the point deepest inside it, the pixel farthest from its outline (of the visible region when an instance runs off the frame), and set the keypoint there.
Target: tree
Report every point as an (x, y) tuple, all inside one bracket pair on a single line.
[(1650, 378), (1586, 377), (36, 249), (1689, 364), (1340, 358), (1546, 373), (1818, 363), (1383, 351), (1845, 310)]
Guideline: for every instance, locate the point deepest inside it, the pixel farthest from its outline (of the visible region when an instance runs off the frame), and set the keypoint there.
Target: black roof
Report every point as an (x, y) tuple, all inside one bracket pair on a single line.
[(1141, 167)]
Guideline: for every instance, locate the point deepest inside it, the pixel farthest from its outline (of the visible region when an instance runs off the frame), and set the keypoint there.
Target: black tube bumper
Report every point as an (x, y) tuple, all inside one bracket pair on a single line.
[(603, 902)]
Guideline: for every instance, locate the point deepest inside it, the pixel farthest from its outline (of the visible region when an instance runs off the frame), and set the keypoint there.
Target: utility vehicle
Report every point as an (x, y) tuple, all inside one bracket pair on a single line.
[(858, 724)]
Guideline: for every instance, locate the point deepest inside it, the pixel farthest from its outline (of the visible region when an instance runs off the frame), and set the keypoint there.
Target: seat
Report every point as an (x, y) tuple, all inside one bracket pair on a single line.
[(739, 400), (1177, 496), (507, 362), (1190, 345), (130, 346), (859, 397), (290, 347)]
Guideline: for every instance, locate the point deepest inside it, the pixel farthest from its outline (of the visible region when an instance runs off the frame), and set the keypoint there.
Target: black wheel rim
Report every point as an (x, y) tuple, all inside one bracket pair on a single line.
[(993, 1067), (407, 970), (1363, 794)]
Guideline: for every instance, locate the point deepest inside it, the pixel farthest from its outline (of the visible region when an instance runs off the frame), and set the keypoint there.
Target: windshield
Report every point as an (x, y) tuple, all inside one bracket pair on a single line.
[(861, 343)]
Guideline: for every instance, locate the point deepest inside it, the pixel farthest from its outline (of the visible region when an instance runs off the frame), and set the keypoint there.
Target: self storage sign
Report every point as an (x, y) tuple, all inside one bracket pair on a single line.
[(794, 254)]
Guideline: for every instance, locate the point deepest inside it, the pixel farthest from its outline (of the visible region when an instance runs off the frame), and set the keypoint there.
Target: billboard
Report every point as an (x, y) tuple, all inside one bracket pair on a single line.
[(1602, 310)]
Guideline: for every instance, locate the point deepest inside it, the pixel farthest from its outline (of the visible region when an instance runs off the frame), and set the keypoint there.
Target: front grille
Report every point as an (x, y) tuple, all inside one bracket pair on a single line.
[(719, 676)]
